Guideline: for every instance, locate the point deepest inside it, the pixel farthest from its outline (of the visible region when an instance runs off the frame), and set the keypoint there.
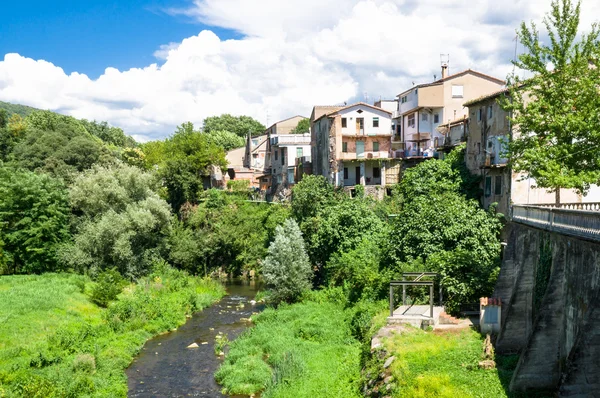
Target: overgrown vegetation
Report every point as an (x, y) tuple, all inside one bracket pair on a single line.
[(61, 344)]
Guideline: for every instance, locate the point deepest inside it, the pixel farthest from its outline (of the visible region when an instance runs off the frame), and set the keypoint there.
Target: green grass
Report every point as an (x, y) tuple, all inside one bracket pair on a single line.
[(441, 364), (55, 343), (299, 350)]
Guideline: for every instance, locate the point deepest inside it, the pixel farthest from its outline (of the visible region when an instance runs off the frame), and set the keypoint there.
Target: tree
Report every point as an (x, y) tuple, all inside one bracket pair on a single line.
[(122, 222), (34, 217), (239, 125), (555, 113), (225, 139), (108, 134), (303, 127), (3, 118), (309, 196), (428, 178), (286, 269)]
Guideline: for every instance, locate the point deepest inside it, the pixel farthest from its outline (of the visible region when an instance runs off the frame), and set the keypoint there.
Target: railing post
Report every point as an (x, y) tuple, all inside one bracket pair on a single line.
[(431, 300), (391, 300), (403, 292), (441, 293)]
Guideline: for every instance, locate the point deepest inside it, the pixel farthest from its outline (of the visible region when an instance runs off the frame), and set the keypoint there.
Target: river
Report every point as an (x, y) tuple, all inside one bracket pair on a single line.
[(166, 367)]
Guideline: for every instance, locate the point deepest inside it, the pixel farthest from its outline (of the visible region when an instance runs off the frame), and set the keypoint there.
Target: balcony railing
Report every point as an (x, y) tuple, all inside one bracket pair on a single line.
[(579, 223), (592, 206), (291, 139), (365, 155)]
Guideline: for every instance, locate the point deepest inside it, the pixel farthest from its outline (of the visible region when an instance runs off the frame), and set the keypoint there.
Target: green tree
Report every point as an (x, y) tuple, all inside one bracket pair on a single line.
[(239, 125), (34, 216), (309, 196), (303, 127), (428, 178), (183, 161), (555, 112), (122, 222), (286, 269), (225, 139), (3, 118), (109, 134)]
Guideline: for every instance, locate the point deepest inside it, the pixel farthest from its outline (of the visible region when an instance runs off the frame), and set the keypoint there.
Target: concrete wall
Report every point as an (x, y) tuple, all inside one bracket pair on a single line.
[(550, 285), (367, 113)]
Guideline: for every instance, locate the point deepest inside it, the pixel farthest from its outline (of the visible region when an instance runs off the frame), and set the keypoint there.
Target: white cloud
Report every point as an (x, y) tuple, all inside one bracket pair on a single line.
[(294, 54)]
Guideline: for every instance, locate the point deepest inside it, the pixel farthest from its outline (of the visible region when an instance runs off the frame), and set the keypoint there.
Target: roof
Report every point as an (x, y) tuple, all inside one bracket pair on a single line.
[(285, 120), (486, 97), (320, 110), (454, 76), (361, 104)]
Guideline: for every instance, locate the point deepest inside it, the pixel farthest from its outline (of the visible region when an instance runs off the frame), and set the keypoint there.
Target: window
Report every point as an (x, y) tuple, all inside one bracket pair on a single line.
[(376, 172), (479, 147), (344, 147), (290, 176), (498, 185), (488, 186), (436, 142), (436, 118), (489, 114), (345, 173), (411, 120), (375, 122), (359, 111), (457, 91), (344, 122), (276, 153), (375, 146), (360, 149), (424, 117), (299, 152), (480, 114), (282, 156), (404, 99)]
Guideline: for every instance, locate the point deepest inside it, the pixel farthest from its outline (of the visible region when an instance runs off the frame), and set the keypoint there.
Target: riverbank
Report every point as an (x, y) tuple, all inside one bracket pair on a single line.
[(301, 350), (55, 342)]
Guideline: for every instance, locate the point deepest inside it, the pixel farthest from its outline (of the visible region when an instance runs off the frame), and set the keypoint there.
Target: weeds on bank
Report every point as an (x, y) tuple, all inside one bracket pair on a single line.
[(54, 342), (300, 350)]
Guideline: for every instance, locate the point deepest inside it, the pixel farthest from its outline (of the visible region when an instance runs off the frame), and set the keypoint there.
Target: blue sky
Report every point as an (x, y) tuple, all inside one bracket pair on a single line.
[(89, 35)]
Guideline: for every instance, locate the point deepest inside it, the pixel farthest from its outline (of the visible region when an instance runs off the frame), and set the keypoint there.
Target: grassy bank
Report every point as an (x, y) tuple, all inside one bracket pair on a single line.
[(439, 364), (54, 342), (299, 350)]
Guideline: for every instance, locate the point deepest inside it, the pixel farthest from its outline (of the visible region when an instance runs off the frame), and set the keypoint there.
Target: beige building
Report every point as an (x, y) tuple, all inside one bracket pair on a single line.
[(283, 150), (489, 130), (351, 146), (424, 107)]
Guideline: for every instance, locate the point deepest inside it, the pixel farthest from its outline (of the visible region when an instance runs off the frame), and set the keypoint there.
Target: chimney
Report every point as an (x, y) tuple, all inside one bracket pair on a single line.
[(444, 70)]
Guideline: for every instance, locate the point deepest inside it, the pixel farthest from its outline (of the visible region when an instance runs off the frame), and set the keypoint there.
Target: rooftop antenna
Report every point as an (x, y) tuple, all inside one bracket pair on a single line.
[(366, 97), (267, 117), (516, 47)]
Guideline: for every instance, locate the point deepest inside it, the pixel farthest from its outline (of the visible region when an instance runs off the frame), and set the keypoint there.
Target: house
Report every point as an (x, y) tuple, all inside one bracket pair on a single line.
[(351, 146), (424, 107), (489, 130), (248, 163), (283, 150)]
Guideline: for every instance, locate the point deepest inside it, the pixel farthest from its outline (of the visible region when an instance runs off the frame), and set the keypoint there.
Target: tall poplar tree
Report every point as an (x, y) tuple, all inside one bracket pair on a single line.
[(556, 111)]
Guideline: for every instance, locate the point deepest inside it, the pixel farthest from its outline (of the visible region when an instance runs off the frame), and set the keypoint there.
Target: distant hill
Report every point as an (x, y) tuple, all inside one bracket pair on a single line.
[(22, 110)]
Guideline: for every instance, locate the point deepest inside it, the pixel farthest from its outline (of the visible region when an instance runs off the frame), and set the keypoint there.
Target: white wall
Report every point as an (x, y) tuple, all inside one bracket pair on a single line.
[(411, 102), (368, 113)]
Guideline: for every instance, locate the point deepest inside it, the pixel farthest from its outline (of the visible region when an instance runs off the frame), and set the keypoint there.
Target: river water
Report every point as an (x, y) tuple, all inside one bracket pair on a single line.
[(167, 368)]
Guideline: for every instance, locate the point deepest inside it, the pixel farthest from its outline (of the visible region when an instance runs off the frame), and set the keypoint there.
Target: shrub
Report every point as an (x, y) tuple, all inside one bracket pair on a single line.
[(85, 363), (286, 268), (108, 286)]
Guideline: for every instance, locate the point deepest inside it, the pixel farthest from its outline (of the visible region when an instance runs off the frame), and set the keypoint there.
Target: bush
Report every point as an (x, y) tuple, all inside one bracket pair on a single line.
[(287, 269), (84, 363), (108, 286)]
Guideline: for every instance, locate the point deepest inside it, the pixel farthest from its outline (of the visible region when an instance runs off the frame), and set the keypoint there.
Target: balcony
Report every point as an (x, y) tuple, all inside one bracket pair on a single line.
[(290, 139), (364, 155)]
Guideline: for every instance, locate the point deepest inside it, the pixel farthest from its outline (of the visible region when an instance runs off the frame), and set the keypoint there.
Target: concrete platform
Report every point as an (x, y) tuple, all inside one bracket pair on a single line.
[(416, 315)]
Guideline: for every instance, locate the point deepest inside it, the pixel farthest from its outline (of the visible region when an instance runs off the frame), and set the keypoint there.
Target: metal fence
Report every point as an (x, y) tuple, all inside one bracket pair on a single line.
[(579, 223), (593, 206)]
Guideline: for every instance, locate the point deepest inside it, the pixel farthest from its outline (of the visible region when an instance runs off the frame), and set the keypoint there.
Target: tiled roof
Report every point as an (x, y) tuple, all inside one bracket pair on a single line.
[(486, 97), (464, 72), (361, 104)]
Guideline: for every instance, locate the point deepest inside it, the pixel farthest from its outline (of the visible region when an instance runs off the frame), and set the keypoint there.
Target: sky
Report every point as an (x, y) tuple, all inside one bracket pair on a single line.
[(149, 65)]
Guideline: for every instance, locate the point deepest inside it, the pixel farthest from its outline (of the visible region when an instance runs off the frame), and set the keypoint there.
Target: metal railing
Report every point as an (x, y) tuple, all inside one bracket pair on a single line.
[(579, 223), (416, 280)]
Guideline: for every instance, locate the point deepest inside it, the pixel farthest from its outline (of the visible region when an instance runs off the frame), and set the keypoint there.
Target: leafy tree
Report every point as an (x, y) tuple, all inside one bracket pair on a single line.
[(3, 118), (183, 161), (225, 139), (303, 127), (108, 285), (286, 269), (109, 134), (239, 125), (122, 223), (309, 196), (428, 178), (342, 227), (34, 216), (555, 112), (469, 183)]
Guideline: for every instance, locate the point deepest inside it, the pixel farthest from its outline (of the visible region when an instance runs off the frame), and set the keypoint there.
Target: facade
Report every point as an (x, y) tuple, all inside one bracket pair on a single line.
[(283, 150), (423, 108), (352, 144), (489, 130)]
